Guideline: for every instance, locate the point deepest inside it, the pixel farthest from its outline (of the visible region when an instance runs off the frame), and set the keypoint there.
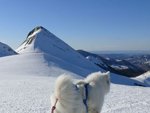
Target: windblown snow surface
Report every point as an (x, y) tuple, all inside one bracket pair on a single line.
[(27, 80)]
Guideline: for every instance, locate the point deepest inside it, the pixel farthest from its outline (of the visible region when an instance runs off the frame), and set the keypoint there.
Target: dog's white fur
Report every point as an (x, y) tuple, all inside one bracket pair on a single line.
[(70, 98)]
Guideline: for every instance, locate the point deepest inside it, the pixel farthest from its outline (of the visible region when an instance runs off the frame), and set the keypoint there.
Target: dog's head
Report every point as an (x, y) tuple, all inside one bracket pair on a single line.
[(106, 81), (99, 79)]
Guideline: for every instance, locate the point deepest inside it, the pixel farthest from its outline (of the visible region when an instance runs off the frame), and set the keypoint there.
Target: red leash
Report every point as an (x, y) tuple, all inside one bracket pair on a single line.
[(54, 107)]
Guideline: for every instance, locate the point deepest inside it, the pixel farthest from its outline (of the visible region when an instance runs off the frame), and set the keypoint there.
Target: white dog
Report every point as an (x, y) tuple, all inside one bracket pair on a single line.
[(86, 96)]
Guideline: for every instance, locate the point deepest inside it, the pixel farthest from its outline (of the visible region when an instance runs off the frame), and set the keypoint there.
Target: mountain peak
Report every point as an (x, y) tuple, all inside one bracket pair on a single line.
[(41, 40), (37, 39), (36, 29)]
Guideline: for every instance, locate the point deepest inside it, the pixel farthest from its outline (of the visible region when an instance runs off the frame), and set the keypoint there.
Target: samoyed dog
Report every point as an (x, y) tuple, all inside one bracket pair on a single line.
[(84, 96)]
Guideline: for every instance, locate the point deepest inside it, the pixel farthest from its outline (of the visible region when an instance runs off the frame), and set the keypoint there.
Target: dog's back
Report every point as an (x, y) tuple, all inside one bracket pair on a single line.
[(69, 98)]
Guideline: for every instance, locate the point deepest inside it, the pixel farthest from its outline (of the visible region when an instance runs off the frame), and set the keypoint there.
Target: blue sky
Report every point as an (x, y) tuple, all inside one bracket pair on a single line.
[(94, 25)]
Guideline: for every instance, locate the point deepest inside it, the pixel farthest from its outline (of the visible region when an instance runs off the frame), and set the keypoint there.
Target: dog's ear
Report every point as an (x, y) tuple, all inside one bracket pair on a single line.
[(107, 75)]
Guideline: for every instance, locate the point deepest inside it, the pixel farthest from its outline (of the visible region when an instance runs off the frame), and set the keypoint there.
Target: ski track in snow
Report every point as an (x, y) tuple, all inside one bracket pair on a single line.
[(32, 95)]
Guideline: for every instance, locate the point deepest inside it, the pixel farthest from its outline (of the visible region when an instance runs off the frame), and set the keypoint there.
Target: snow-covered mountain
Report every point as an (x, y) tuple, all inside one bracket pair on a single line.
[(45, 54), (118, 66), (5, 50), (27, 79)]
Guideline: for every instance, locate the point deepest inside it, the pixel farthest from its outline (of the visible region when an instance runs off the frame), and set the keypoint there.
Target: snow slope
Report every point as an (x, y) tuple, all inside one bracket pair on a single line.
[(125, 99), (144, 78), (39, 64), (5, 50), (32, 95)]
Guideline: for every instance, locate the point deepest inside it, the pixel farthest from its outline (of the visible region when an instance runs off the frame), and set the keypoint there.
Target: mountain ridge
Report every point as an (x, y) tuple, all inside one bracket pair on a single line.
[(114, 65), (43, 54)]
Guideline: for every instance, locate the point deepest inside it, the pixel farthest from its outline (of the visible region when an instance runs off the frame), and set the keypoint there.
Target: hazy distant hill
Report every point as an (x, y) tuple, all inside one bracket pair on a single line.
[(122, 64)]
